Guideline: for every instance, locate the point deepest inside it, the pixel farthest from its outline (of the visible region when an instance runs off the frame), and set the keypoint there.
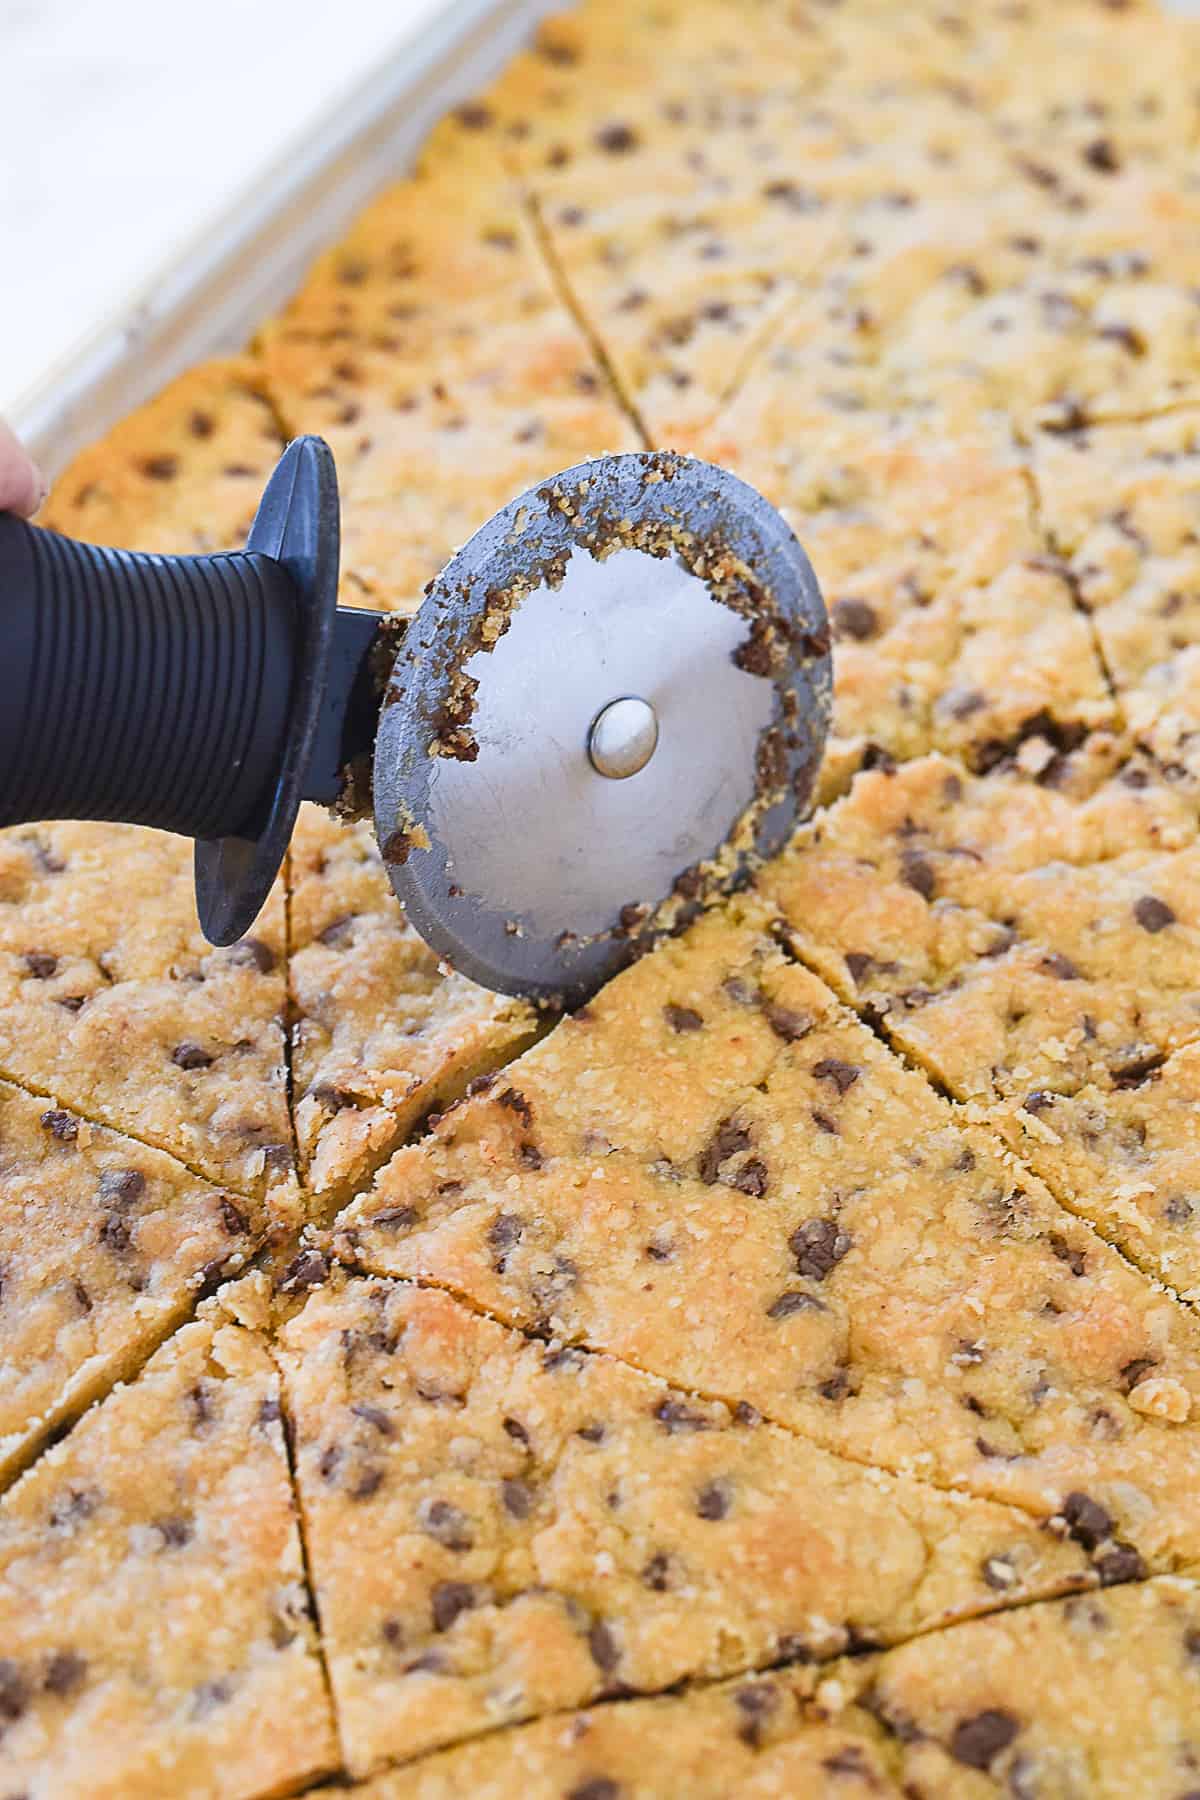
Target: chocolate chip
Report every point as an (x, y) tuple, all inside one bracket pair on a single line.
[(977, 1741), (596, 1787), (617, 139), (65, 1672), (232, 1218), (854, 619), (61, 1125), (449, 1600), (1135, 1371), (446, 1524), (750, 1179), (1120, 1563), (503, 1233), (606, 1652), (122, 1187), (14, 1689), (1101, 155), (1061, 967), (818, 1245), (794, 1302), (366, 1483), (657, 1572), (786, 1024), (175, 1532), (916, 872), (373, 1416), (858, 963), (518, 1498), (475, 116), (843, 1075), (396, 1218), (1087, 1520), (190, 1055), (682, 1018), (41, 964), (755, 1703), (253, 953), (714, 1501), (1153, 914), (160, 468), (729, 1139), (516, 1102), (674, 1416), (307, 1270), (530, 1156), (516, 1431), (1075, 1259)]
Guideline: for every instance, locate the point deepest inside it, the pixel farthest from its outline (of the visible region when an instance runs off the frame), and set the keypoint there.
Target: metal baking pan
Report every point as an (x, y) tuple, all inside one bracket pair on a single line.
[(212, 298)]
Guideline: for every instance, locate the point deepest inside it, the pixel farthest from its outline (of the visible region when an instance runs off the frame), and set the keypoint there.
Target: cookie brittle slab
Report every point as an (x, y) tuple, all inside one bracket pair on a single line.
[(155, 1629), (718, 1175), (498, 1529)]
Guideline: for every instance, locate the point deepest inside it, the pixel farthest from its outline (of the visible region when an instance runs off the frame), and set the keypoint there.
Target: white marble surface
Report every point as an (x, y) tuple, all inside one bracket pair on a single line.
[(127, 125)]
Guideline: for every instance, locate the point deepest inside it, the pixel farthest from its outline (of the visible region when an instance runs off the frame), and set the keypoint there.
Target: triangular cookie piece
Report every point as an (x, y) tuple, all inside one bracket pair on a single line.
[(499, 1528), (103, 1246), (155, 1628)]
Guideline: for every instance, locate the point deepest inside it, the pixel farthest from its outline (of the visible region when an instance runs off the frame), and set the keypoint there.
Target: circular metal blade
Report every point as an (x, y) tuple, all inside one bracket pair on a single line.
[(653, 578)]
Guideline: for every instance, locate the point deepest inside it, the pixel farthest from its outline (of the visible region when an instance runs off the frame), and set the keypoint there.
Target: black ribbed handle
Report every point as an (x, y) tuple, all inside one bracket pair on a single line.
[(150, 689)]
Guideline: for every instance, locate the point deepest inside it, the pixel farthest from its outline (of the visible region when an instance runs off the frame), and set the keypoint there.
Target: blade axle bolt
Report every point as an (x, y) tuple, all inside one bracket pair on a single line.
[(623, 737)]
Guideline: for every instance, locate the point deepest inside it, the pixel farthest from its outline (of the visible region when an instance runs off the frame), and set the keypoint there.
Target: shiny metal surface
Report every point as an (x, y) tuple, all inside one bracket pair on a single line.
[(526, 868), (623, 737)]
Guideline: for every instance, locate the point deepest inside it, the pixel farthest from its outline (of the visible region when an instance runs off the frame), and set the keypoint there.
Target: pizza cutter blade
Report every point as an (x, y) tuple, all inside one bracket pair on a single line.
[(612, 702)]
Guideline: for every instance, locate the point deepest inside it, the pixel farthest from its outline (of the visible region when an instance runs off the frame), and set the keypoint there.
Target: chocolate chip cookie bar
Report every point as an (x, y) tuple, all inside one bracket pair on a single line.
[(499, 1528), (156, 1633)]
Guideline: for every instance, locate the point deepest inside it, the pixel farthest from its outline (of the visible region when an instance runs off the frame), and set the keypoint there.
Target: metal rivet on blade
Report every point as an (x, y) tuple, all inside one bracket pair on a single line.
[(623, 737)]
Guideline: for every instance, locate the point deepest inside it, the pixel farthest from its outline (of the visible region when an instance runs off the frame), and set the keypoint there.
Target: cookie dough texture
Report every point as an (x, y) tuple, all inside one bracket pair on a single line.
[(1092, 1695), (156, 1638), (500, 1528), (716, 1173), (105, 1245)]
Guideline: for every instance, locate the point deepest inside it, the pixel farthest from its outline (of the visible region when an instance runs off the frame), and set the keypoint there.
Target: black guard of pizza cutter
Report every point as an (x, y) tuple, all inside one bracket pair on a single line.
[(206, 695)]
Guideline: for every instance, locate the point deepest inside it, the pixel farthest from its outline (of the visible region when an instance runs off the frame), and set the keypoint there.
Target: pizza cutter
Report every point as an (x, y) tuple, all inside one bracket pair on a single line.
[(612, 702)]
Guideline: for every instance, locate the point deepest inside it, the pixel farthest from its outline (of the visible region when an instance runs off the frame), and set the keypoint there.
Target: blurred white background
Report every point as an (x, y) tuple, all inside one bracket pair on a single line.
[(127, 125)]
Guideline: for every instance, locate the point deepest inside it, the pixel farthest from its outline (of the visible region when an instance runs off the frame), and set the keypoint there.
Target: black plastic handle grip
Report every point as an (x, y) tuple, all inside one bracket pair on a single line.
[(206, 695), (150, 689)]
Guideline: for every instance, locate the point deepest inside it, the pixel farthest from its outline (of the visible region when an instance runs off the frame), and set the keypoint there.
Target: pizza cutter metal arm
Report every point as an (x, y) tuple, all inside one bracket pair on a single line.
[(206, 695)]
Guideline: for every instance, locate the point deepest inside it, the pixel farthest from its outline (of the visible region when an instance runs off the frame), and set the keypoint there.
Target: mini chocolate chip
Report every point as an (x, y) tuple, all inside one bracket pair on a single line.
[(1135, 1371), (175, 1531), (253, 953), (858, 963), (366, 1483), (854, 619), (729, 1139), (977, 1741), (1153, 914), (617, 139), (307, 1270), (786, 1024), (232, 1218), (755, 1703), (1075, 1259), (592, 1433), (65, 1672), (530, 1156), (160, 468), (674, 1416), (474, 115), (818, 1246), (1087, 1520), (1120, 1563), (656, 1573), (373, 1416), (682, 1018), (446, 1524), (1102, 156), (606, 1652), (714, 1500), (61, 1125), (449, 1599), (916, 872), (750, 1179), (794, 1302), (14, 1689), (41, 964), (516, 1431), (518, 1498), (1061, 967), (190, 1055), (595, 1787), (516, 1102), (843, 1075), (396, 1218)]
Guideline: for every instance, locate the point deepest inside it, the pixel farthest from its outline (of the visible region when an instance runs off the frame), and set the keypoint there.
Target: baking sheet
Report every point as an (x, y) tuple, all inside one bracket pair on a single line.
[(213, 298)]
